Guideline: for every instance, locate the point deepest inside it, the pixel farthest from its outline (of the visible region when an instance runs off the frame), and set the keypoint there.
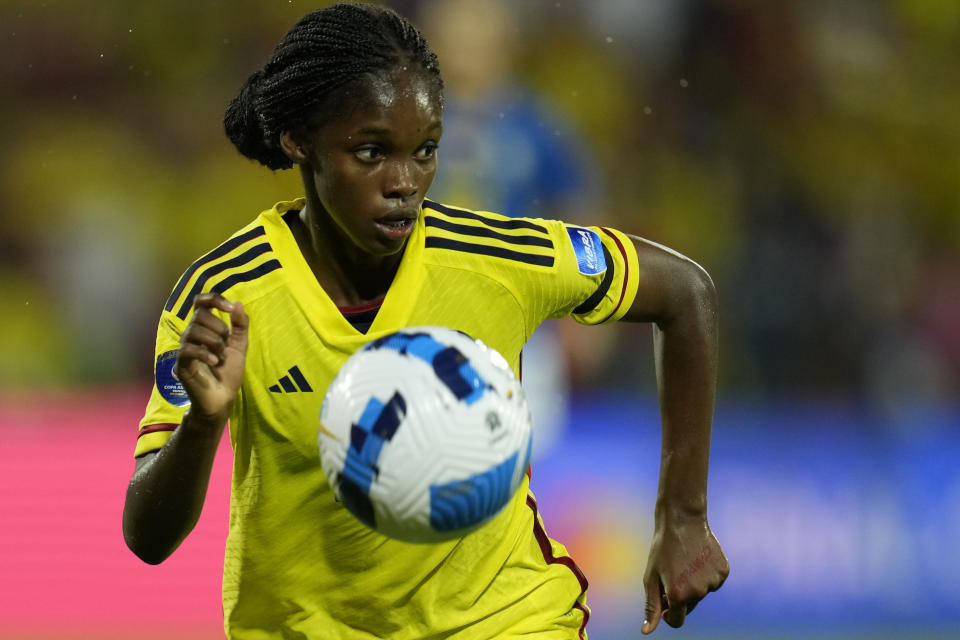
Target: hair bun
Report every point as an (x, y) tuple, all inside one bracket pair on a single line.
[(245, 129)]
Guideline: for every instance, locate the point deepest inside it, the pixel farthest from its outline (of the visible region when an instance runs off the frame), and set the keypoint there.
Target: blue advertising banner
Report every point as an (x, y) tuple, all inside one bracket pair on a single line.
[(834, 521)]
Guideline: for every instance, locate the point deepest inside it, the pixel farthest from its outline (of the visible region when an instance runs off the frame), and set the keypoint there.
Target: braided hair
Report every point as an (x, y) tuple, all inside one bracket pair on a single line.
[(326, 51)]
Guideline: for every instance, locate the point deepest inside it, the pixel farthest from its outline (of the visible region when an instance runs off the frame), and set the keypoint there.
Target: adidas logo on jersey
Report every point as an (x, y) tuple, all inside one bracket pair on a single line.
[(292, 382)]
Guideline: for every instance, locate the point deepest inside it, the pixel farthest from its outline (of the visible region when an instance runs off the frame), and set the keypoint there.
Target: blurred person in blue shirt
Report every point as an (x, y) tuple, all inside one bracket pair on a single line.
[(503, 146)]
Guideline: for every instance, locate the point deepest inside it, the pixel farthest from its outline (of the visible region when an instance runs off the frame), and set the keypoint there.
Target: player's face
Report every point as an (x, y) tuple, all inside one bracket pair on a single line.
[(372, 166)]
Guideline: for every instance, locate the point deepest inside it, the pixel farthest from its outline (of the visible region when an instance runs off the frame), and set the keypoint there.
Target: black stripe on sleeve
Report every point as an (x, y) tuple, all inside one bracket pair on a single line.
[(219, 252), (483, 232), (246, 276), (213, 270), (591, 303), (226, 283), (433, 242), (512, 223)]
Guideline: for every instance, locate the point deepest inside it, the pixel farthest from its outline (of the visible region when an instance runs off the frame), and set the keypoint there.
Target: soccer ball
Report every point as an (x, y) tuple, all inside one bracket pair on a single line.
[(425, 434)]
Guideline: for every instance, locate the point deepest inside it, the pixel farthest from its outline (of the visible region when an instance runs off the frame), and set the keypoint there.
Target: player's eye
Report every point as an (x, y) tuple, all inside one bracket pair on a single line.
[(369, 153), (427, 151)]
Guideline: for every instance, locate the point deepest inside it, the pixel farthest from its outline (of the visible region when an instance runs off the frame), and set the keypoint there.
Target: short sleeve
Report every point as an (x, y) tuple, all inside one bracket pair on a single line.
[(552, 269), (168, 399), (599, 265)]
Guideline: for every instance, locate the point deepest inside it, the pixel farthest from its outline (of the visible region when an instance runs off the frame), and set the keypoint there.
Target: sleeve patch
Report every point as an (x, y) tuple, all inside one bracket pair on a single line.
[(166, 380), (588, 249)]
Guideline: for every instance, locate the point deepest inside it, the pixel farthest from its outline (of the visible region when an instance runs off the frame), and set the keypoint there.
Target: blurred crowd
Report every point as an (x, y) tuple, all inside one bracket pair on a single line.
[(806, 153)]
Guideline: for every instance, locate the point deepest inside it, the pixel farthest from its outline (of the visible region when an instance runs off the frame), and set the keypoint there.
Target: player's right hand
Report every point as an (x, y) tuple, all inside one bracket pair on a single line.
[(212, 357)]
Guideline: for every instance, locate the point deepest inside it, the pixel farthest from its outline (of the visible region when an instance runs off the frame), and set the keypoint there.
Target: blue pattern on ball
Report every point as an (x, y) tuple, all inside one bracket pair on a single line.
[(464, 503), (451, 366), (377, 425)]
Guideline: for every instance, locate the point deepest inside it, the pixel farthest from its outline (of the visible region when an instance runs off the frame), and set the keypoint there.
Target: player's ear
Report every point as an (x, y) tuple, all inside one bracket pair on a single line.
[(293, 148)]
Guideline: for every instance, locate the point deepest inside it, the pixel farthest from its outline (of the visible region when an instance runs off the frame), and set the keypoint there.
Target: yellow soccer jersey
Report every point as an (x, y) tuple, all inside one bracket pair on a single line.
[(297, 563)]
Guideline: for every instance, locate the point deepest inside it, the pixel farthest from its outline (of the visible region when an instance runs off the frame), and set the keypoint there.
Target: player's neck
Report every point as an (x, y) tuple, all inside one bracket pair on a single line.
[(350, 277)]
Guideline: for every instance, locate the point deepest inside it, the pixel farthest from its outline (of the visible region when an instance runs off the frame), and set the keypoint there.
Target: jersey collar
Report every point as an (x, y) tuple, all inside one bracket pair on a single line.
[(324, 316)]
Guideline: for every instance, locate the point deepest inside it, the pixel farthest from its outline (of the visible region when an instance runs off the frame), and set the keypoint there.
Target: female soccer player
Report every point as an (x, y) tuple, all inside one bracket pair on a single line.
[(256, 329)]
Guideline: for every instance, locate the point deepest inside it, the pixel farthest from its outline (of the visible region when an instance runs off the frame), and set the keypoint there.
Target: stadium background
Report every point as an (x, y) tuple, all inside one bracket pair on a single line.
[(807, 153)]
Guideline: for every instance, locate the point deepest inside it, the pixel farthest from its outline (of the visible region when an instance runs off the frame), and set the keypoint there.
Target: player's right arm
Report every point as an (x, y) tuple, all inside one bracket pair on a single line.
[(166, 493)]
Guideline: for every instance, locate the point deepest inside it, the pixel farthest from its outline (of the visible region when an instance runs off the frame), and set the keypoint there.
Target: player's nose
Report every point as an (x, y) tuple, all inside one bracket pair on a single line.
[(400, 180)]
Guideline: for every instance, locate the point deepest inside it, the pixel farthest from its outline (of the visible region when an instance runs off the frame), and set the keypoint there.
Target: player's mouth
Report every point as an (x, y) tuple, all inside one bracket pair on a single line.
[(398, 224)]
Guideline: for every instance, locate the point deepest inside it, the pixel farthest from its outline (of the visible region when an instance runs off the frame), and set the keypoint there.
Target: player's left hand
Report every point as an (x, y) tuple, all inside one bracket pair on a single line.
[(685, 564)]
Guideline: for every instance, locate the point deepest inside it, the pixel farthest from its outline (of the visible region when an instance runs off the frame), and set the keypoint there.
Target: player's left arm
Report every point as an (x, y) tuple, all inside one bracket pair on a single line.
[(685, 561)]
